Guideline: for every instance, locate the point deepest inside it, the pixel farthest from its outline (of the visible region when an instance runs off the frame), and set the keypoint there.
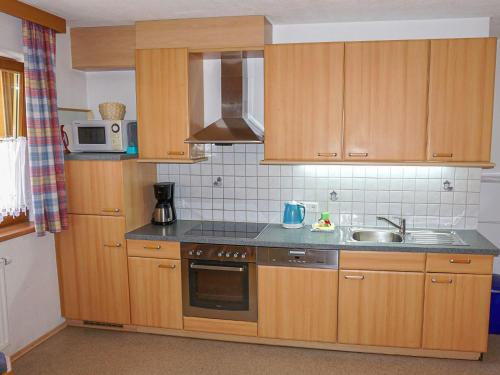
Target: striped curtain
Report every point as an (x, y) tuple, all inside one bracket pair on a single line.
[(44, 138)]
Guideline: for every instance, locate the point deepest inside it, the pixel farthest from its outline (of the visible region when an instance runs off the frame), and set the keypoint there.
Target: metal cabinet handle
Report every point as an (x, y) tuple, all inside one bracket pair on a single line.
[(359, 154), (110, 210), (169, 266), (175, 152), (436, 281), (354, 277), (460, 261), (217, 268), (157, 247), (442, 155), (327, 154), (116, 244)]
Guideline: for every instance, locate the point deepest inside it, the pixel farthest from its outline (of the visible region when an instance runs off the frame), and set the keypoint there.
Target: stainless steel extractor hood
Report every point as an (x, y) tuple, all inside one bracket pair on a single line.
[(233, 126)]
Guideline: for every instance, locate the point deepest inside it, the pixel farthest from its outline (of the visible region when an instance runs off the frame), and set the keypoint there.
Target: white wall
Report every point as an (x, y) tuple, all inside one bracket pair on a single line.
[(32, 289), (116, 86), (382, 30), (11, 37), (32, 285), (71, 84)]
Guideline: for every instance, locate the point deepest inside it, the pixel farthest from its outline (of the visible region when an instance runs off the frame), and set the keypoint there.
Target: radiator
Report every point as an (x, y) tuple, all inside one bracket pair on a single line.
[(4, 325)]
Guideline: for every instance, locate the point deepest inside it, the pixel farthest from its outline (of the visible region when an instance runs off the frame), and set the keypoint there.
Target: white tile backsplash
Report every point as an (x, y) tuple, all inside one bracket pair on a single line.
[(252, 192)]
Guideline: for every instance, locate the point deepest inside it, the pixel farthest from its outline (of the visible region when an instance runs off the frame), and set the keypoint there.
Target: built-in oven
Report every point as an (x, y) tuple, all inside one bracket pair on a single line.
[(219, 281)]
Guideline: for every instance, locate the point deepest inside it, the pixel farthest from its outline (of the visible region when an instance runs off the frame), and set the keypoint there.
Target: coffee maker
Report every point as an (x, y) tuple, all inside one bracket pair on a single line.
[(164, 212)]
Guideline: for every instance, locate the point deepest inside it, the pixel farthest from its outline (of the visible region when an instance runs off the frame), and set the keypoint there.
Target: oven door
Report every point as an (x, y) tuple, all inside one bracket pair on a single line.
[(219, 290)]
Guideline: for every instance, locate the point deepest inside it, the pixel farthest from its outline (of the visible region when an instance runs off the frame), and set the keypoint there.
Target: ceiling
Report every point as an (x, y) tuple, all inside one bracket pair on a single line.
[(113, 12)]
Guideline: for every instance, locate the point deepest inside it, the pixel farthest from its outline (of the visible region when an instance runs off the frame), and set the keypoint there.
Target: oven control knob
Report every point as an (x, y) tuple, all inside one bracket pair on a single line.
[(235, 255), (191, 252), (199, 252), (228, 254), (220, 254), (243, 255)]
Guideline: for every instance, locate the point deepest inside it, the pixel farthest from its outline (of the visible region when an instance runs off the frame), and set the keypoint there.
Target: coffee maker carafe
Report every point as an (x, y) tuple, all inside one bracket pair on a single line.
[(164, 212)]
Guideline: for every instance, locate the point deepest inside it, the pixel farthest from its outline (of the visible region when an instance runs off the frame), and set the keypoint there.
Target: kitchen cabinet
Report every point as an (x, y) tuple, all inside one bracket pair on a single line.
[(103, 48), (297, 303), (304, 85), (456, 313), (460, 263), (163, 77), (386, 100), (155, 292), (380, 308), (461, 85), (111, 188), (154, 249), (207, 34), (93, 273)]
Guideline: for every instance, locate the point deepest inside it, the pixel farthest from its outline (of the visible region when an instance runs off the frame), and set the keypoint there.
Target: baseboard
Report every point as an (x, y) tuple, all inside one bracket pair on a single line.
[(417, 352), (32, 345)]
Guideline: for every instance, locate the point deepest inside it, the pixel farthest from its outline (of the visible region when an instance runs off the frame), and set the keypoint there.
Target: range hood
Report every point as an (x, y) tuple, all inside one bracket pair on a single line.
[(234, 126)]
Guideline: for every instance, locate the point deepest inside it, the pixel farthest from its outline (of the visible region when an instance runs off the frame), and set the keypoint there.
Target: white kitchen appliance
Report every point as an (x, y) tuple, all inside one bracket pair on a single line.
[(104, 135)]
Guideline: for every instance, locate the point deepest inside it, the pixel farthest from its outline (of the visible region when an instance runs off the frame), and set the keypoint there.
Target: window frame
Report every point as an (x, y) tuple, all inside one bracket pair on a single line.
[(17, 67)]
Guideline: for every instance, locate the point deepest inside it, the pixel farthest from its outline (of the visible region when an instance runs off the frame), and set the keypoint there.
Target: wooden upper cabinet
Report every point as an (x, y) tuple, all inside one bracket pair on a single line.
[(456, 314), (386, 100), (304, 86), (155, 292), (212, 33), (103, 48), (298, 303), (381, 308), (462, 78), (162, 86), (93, 273)]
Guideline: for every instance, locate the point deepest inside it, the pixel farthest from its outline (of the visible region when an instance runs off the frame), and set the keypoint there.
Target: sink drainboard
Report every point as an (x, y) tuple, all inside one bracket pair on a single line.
[(436, 238)]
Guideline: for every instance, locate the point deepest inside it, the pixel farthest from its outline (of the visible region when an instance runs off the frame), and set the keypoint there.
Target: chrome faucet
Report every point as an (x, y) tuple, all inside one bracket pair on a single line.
[(401, 226)]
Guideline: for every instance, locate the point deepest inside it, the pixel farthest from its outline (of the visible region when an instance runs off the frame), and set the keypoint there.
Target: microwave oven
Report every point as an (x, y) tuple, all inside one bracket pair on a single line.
[(104, 135)]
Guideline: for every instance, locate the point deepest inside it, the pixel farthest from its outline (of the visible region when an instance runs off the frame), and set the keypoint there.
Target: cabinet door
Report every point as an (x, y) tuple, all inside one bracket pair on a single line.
[(93, 260), (462, 78), (95, 187), (162, 103), (155, 292), (386, 100), (456, 313), (303, 101), (298, 303), (381, 308)]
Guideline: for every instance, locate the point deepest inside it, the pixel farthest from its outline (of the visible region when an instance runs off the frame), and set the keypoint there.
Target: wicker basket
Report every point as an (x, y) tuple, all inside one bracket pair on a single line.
[(112, 111)]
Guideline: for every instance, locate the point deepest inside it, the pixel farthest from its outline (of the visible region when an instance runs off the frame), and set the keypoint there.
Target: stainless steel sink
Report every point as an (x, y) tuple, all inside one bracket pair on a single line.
[(376, 236), (417, 237)]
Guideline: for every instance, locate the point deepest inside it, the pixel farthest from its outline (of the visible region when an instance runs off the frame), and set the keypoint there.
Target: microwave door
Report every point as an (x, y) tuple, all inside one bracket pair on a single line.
[(92, 138)]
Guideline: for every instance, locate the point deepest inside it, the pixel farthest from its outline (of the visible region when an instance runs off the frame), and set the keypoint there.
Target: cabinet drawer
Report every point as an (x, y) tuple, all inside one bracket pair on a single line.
[(95, 187), (382, 261), (460, 263), (154, 249)]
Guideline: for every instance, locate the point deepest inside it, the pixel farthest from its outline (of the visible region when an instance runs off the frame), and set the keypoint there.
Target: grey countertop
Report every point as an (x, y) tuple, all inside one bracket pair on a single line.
[(276, 236), (99, 156)]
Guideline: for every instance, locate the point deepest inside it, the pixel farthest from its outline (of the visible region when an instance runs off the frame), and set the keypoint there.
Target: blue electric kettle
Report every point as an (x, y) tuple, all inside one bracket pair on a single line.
[(294, 215)]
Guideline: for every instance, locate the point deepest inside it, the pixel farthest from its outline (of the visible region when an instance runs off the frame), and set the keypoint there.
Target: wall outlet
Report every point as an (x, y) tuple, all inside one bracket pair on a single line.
[(311, 212)]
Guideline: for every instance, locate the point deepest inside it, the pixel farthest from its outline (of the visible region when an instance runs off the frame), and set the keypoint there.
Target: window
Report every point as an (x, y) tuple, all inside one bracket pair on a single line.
[(12, 113)]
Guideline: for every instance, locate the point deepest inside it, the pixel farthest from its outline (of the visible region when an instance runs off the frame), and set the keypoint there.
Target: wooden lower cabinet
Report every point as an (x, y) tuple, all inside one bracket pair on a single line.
[(380, 308), (456, 312), (155, 292), (298, 303), (92, 262)]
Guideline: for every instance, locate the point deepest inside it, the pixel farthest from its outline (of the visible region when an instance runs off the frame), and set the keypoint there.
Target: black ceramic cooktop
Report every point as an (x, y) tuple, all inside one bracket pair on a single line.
[(227, 229)]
